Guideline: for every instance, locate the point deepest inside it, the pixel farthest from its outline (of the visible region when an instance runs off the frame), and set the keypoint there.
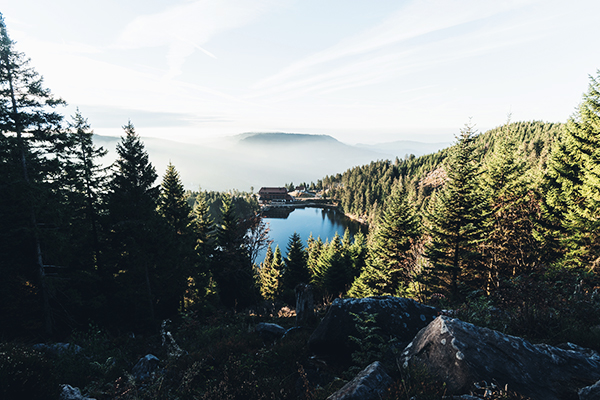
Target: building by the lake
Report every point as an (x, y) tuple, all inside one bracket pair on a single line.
[(277, 194)]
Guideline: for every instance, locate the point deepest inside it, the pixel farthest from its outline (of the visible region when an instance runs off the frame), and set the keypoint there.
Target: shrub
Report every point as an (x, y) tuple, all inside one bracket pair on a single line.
[(26, 374)]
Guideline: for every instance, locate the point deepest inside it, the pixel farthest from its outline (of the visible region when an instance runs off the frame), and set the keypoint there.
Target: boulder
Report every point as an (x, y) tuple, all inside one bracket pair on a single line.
[(145, 367), (269, 332), (56, 349), (397, 318), (72, 393), (370, 384), (590, 392), (462, 354)]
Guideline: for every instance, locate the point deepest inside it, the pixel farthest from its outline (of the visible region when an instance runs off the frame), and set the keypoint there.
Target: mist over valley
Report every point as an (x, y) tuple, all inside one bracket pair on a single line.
[(263, 159)]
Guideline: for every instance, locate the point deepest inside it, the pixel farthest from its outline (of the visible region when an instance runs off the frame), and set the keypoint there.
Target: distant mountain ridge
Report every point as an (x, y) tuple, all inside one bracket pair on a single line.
[(253, 159), (285, 138)]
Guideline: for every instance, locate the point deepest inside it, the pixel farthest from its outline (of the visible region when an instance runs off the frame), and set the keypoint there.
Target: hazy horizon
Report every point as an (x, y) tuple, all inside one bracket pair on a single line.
[(239, 163), (362, 72)]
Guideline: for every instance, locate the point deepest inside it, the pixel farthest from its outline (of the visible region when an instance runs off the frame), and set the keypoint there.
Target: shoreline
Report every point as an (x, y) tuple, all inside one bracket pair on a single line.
[(312, 204)]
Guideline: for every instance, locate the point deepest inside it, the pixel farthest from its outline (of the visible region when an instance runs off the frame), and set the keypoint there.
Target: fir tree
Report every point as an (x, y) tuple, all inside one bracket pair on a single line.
[(86, 180), (172, 202), (391, 264), (509, 245), (204, 234), (358, 254), (29, 133), (179, 253), (336, 276), (573, 182), (232, 267), (135, 230), (454, 224), (314, 249), (269, 277), (296, 270)]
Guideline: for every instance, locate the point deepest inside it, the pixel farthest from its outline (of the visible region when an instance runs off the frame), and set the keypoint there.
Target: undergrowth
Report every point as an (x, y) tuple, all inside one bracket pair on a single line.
[(554, 307)]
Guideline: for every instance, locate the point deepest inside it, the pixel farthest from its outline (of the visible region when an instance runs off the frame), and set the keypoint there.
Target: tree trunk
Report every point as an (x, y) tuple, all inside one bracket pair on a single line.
[(305, 310)]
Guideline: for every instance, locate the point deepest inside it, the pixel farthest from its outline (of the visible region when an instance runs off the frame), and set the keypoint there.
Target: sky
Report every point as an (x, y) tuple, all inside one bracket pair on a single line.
[(361, 71)]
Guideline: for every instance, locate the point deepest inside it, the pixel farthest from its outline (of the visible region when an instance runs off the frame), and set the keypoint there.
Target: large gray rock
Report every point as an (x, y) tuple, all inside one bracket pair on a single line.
[(57, 349), (370, 384), (269, 332), (396, 317), (462, 354), (590, 392), (72, 393), (145, 367)]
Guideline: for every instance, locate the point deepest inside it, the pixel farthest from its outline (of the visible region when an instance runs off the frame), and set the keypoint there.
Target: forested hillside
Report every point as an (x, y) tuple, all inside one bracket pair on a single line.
[(362, 190)]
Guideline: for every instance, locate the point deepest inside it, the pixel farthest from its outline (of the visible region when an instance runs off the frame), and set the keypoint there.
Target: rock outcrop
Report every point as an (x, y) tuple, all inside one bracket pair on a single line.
[(144, 368), (370, 384), (397, 318), (590, 392), (269, 332), (69, 392), (57, 349), (462, 354)]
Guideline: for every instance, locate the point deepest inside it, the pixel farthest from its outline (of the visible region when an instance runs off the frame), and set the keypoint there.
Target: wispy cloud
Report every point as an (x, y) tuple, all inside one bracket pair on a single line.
[(404, 41), (188, 27)]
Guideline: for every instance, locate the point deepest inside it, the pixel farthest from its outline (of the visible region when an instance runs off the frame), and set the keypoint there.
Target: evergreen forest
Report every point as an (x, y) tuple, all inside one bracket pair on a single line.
[(507, 219)]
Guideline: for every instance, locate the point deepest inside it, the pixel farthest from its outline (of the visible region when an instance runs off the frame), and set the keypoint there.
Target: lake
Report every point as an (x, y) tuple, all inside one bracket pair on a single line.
[(321, 222)]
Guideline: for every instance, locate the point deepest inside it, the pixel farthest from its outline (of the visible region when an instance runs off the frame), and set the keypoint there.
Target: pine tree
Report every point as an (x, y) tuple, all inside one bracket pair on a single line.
[(391, 264), (203, 226), (277, 262), (336, 275), (179, 251), (296, 270), (85, 179), (172, 202), (509, 245), (29, 131), (135, 230), (232, 267), (269, 277), (204, 234), (358, 254), (572, 183), (314, 248), (454, 224)]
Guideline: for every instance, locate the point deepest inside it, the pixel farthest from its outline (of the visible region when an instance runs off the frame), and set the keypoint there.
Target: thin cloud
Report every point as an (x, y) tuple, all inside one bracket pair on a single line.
[(411, 22), (186, 28)]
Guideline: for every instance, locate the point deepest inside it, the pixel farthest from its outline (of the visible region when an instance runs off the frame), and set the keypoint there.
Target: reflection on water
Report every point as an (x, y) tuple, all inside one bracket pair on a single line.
[(319, 222), (278, 212)]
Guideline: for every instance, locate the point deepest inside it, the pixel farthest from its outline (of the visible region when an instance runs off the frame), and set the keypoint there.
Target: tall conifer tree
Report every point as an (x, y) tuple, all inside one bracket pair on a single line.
[(232, 266), (134, 230), (296, 270), (179, 242), (574, 182), (455, 222), (29, 131), (391, 264), (86, 179), (509, 245)]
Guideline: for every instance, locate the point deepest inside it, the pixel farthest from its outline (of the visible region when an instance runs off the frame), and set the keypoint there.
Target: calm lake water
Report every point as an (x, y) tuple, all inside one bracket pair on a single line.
[(323, 223)]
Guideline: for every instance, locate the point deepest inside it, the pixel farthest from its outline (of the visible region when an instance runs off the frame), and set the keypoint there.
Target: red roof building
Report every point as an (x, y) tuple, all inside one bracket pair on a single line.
[(274, 193)]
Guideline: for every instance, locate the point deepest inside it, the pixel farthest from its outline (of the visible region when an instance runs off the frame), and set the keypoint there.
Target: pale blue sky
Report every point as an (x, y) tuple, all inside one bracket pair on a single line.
[(361, 71)]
